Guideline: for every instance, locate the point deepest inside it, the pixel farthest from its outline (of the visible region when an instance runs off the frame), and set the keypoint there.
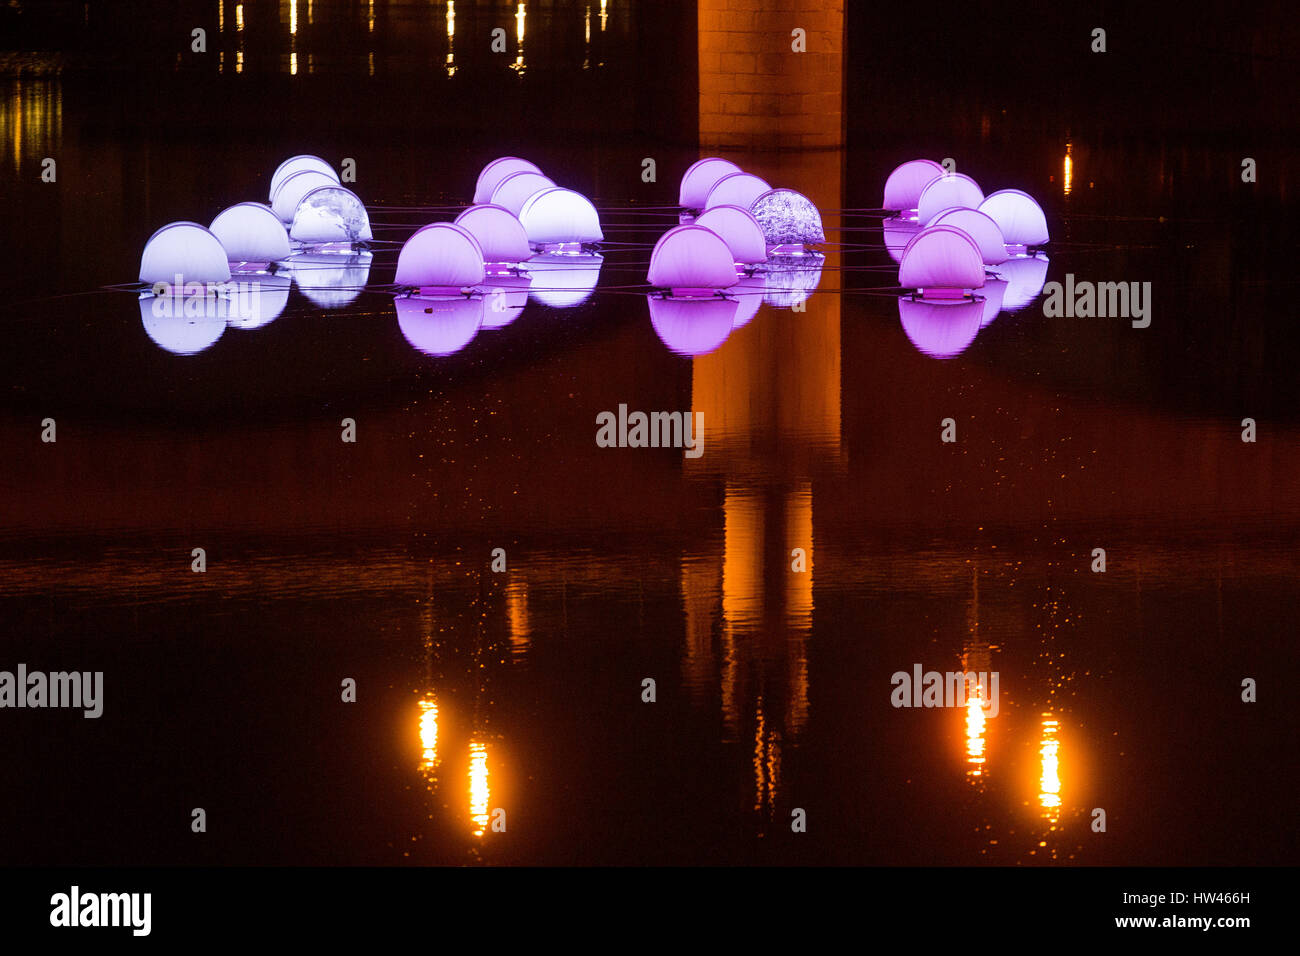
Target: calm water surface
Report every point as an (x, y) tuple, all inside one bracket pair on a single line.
[(522, 690)]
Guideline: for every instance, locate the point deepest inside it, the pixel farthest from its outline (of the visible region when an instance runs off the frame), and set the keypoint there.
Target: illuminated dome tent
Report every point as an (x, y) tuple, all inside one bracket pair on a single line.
[(298, 164), (174, 331), (950, 189), (739, 230), (941, 262), (513, 191), (558, 219), (904, 185), (1020, 218), (330, 280), (284, 203), (691, 261), (498, 231), (789, 220), (563, 280), (700, 178), (183, 249), (980, 227), (330, 214), (692, 327), (940, 329), (438, 324), (736, 189), (497, 170), (442, 255), (251, 233)]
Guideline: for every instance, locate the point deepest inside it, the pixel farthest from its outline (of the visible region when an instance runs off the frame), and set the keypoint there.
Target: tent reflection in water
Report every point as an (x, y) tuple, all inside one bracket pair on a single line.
[(563, 280), (791, 280), (439, 325), (504, 298), (183, 325), (898, 233), (330, 280), (1025, 277), (692, 326), (941, 330)]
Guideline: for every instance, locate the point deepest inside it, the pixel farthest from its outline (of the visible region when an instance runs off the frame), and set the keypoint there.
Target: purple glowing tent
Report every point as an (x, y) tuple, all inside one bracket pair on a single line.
[(940, 260), (298, 164), (513, 191), (442, 255), (330, 214), (739, 230), (250, 232), (498, 231), (940, 329), (904, 185), (736, 189), (497, 170), (185, 249), (692, 327), (439, 324), (700, 178), (788, 218), (284, 203), (558, 215), (950, 189), (1019, 217), (691, 260), (980, 227)]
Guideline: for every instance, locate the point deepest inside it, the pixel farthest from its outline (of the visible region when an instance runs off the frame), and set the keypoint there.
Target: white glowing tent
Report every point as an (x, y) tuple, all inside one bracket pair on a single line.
[(941, 259), (950, 189), (330, 214), (700, 178), (498, 231), (298, 164), (691, 260), (441, 255), (184, 249), (556, 215), (250, 232), (739, 230), (736, 189), (497, 170), (980, 227), (439, 324), (904, 185), (788, 218), (284, 202), (513, 191), (1019, 217)]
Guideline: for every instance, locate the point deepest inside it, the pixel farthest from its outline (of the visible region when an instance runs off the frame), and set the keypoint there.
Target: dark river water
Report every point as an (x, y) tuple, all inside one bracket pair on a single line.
[(521, 689)]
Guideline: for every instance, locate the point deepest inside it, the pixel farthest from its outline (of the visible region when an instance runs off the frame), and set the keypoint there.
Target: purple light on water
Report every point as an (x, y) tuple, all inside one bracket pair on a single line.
[(692, 327), (439, 324), (941, 330)]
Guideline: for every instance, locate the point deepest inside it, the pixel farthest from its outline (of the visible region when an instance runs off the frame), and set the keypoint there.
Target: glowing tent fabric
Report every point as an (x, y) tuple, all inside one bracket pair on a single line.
[(692, 328), (498, 231), (980, 227), (941, 258), (904, 185), (298, 164), (691, 260), (1019, 217), (556, 215), (442, 255), (184, 249), (438, 325), (736, 189), (290, 192), (330, 214), (513, 191), (788, 218), (950, 189), (497, 170), (250, 232), (700, 178), (739, 230)]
